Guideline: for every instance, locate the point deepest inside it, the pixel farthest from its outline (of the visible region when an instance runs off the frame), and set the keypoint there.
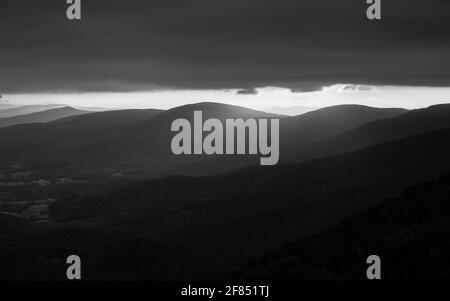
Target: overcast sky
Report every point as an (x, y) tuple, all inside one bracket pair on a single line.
[(212, 44)]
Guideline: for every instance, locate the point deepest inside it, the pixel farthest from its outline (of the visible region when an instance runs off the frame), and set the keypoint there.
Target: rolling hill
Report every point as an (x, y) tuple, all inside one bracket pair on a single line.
[(138, 141), (102, 120), (243, 214), (112, 141), (316, 125), (41, 117), (8, 110), (375, 132)]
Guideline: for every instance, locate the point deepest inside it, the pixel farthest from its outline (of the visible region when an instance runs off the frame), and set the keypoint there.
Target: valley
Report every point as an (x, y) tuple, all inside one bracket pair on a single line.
[(117, 188)]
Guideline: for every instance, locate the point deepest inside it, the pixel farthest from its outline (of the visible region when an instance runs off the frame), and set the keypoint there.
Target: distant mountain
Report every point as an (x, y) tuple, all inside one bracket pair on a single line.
[(290, 111), (313, 126), (155, 133), (8, 110), (101, 120), (146, 145), (410, 234), (41, 117), (211, 110), (233, 217), (379, 131), (137, 141), (5, 106)]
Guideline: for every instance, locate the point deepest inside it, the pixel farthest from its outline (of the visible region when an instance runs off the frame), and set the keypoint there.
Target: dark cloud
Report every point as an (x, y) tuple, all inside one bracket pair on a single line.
[(146, 44), (251, 91)]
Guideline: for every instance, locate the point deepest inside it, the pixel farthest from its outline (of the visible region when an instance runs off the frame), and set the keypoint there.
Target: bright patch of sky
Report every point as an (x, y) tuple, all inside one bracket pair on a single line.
[(272, 99)]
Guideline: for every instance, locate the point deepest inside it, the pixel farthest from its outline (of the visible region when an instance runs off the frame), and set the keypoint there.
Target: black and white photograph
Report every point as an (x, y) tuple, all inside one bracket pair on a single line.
[(245, 142)]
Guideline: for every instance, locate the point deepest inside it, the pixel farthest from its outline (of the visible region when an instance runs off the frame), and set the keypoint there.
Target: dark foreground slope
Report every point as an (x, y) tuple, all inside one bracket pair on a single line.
[(233, 217), (13, 232), (40, 254), (205, 228), (411, 234)]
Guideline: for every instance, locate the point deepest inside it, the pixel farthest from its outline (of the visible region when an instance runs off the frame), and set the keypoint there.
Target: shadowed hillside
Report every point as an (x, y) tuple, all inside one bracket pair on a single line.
[(189, 228), (246, 213), (379, 131), (112, 142), (411, 234), (27, 253), (313, 126), (13, 232), (137, 142)]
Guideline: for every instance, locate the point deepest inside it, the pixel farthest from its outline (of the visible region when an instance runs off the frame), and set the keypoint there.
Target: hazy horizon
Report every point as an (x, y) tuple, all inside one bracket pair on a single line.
[(275, 99)]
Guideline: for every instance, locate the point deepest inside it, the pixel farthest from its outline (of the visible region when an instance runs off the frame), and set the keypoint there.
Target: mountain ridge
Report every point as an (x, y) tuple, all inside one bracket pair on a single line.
[(382, 130), (41, 117)]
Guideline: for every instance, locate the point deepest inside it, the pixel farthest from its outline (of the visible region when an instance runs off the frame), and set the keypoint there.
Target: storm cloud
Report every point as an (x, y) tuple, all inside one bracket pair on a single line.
[(209, 44)]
